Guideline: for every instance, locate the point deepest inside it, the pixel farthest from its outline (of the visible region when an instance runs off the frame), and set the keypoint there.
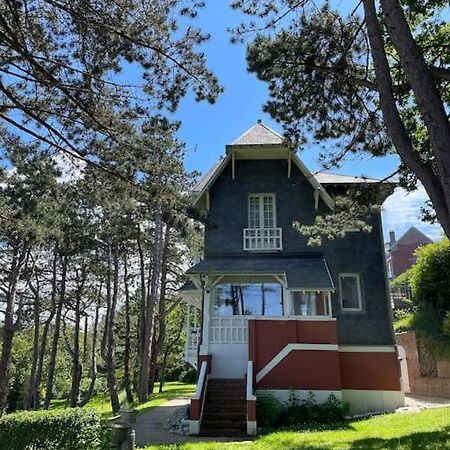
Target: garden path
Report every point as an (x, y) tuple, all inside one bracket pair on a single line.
[(149, 426)]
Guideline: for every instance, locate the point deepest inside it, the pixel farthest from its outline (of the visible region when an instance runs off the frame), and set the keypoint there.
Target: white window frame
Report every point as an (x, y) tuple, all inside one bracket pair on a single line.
[(327, 299), (260, 197), (358, 289)]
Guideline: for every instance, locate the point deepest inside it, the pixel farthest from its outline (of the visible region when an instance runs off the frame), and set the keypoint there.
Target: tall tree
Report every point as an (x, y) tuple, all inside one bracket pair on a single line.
[(62, 66), (30, 210), (372, 82)]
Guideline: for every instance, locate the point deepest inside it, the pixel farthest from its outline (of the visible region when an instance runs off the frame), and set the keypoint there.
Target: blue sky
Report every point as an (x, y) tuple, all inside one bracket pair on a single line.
[(206, 129)]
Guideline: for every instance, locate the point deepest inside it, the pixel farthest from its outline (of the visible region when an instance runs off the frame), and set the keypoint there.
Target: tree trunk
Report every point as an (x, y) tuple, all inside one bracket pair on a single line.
[(144, 370), (43, 345), (127, 351), (158, 343), (400, 138), (56, 333), (74, 396), (429, 102), (17, 263), (109, 344), (91, 389), (30, 400), (142, 297)]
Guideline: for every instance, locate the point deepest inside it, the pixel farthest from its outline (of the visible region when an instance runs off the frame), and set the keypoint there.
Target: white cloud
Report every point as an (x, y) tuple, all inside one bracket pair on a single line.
[(402, 210)]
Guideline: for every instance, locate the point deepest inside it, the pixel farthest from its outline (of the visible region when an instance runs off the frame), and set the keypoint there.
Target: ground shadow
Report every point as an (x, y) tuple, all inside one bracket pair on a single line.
[(416, 441)]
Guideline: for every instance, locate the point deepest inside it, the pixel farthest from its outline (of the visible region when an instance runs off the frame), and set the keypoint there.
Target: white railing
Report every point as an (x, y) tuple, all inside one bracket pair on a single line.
[(249, 391), (262, 239), (228, 330), (201, 381), (191, 349)]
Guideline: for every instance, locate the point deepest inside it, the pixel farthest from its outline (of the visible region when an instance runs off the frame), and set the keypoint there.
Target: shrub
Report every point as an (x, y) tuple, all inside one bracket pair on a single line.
[(309, 411), (75, 429), (268, 409), (270, 412), (402, 279), (429, 279)]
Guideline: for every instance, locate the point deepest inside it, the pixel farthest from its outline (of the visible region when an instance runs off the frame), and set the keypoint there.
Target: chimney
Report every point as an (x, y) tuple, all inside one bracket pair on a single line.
[(391, 238)]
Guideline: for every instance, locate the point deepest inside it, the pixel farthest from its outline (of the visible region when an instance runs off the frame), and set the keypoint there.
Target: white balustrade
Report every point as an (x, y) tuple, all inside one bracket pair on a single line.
[(258, 239)]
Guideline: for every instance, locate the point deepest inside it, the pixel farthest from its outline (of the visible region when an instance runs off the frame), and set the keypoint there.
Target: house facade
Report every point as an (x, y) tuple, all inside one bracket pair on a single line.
[(270, 313), (400, 253)]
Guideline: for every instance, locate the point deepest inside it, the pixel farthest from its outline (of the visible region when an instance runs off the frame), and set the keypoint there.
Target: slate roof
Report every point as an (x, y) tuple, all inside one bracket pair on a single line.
[(301, 273), (259, 134)]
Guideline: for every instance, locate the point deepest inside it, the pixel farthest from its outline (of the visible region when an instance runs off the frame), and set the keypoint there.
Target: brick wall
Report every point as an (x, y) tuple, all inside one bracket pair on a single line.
[(437, 386)]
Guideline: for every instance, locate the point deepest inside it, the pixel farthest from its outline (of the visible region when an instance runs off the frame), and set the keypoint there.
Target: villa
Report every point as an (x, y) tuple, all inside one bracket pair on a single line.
[(270, 313)]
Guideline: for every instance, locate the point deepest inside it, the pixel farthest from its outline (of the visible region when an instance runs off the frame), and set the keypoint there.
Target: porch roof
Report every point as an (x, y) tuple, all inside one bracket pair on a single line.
[(300, 273)]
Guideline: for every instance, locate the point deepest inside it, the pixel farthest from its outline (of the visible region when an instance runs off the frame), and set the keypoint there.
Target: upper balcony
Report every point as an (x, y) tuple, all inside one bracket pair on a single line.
[(263, 239)]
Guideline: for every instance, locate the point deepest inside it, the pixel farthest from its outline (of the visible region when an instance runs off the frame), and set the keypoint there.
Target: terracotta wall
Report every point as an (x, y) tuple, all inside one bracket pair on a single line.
[(419, 385), (317, 369), (370, 371), (273, 335)]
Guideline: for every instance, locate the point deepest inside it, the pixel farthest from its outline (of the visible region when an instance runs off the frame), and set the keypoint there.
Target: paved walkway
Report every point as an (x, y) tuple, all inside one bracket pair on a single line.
[(149, 426), (423, 402)]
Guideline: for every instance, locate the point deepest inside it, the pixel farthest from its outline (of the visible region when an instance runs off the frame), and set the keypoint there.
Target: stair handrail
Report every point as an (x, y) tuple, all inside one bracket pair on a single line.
[(201, 381), (249, 393)]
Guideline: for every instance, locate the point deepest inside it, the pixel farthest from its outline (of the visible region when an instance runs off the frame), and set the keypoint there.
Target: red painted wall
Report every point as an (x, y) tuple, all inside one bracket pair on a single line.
[(371, 371), (305, 369), (269, 337), (317, 369)]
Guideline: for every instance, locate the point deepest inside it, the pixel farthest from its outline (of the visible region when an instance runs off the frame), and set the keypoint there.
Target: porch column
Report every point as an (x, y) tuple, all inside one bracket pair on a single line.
[(204, 348)]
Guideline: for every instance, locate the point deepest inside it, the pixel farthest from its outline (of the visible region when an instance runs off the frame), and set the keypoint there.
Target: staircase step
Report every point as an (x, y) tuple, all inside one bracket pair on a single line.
[(224, 409), (223, 423), (223, 433), (224, 396), (225, 414)]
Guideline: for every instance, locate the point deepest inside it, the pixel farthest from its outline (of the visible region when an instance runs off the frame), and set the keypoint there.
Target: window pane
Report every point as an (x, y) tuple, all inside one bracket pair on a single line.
[(253, 214), (268, 211), (349, 292), (308, 304), (254, 299)]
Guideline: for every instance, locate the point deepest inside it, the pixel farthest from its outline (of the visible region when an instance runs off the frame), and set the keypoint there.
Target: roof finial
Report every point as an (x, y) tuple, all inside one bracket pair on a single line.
[(259, 121)]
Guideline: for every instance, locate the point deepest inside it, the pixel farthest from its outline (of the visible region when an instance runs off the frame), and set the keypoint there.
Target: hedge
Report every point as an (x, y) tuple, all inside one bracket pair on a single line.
[(73, 429)]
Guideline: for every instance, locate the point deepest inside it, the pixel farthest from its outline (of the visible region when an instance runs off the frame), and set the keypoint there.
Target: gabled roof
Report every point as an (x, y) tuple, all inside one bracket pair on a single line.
[(259, 134), (412, 236)]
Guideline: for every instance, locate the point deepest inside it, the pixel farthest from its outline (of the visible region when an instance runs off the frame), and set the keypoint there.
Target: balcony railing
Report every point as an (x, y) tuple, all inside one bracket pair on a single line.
[(257, 239)]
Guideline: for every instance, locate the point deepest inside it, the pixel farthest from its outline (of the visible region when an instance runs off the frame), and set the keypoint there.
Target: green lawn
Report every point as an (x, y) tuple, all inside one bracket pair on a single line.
[(427, 430), (102, 405)]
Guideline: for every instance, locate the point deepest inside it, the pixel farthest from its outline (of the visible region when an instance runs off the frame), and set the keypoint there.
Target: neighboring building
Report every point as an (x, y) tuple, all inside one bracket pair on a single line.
[(274, 314), (401, 254)]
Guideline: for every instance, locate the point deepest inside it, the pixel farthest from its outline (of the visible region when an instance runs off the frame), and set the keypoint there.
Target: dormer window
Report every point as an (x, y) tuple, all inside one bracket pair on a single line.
[(262, 233)]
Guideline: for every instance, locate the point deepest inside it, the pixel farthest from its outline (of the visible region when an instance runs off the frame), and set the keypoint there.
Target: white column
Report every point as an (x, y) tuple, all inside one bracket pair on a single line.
[(204, 348)]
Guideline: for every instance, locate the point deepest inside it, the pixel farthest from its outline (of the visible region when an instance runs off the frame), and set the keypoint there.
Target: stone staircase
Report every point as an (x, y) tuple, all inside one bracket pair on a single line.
[(225, 408)]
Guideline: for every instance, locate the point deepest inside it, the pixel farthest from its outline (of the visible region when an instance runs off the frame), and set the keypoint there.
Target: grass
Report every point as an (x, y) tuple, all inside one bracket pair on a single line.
[(426, 430), (102, 404)]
